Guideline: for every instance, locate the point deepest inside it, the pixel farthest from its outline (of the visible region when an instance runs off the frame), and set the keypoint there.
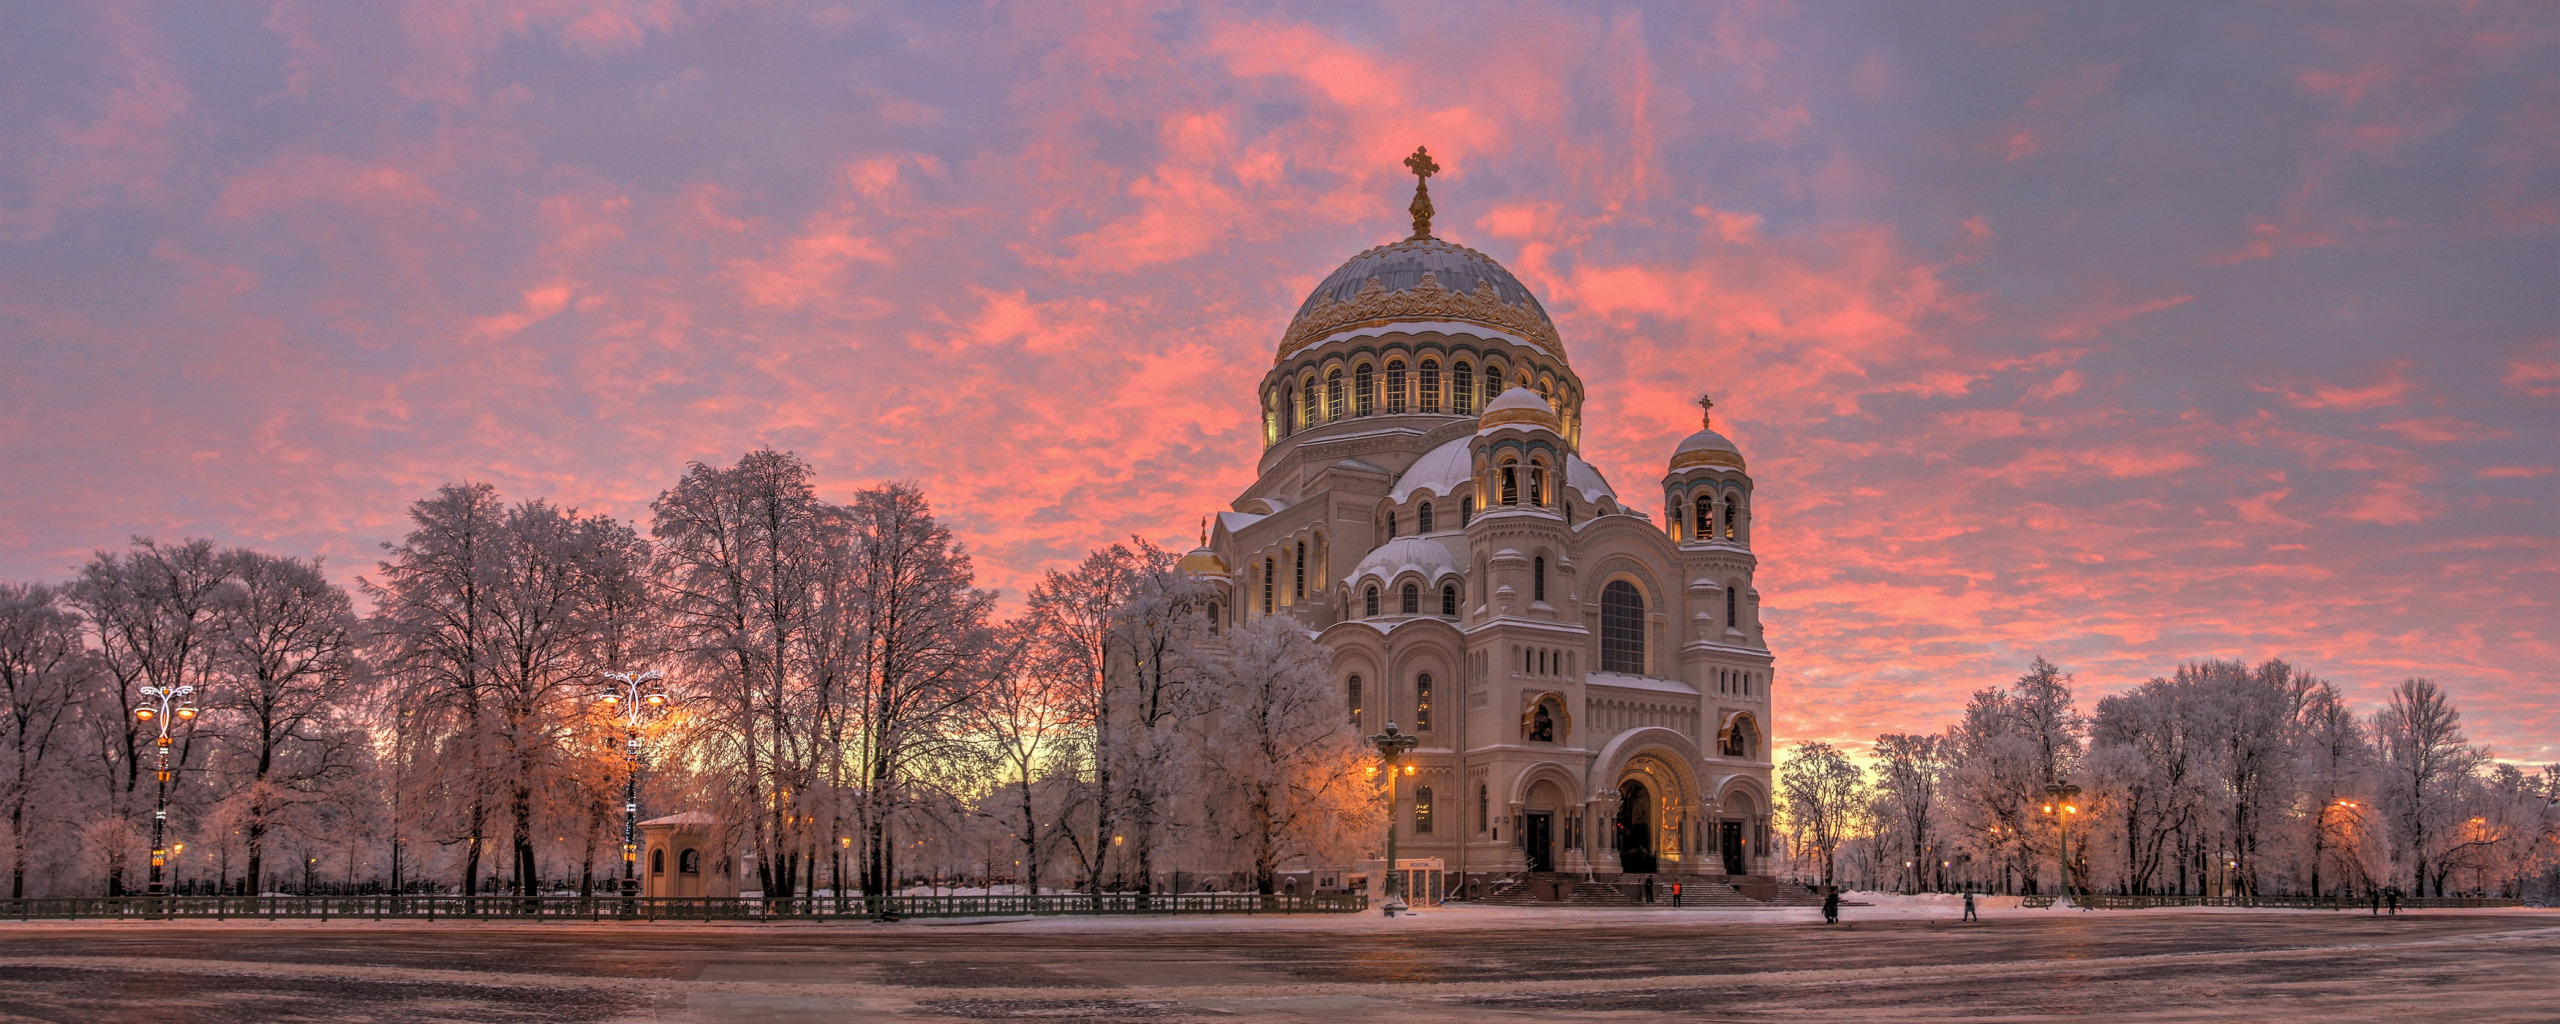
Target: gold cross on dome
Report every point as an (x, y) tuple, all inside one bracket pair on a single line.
[(1421, 163), (1706, 411), (1423, 168)]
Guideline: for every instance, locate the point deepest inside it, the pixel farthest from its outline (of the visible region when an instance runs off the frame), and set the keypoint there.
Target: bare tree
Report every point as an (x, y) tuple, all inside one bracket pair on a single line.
[(430, 628), (1293, 776), (1909, 771), (2424, 757), (1823, 792), (1074, 616), (152, 610), (286, 653), (43, 668)]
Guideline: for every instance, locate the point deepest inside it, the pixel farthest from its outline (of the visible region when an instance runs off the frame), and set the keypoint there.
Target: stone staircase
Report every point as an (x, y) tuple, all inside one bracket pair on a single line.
[(1695, 894)]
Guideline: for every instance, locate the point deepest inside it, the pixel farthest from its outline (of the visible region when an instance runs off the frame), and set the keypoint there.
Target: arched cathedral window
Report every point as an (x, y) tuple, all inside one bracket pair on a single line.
[(1538, 578), (1372, 605), (1364, 399), (1731, 499), (1298, 590), (1307, 410), (1430, 392), (1492, 382), (1462, 388), (1510, 484), (1267, 582), (1538, 484), (1449, 600), (1395, 386), (1422, 519), (1706, 519), (1466, 511), (1422, 702), (1410, 601), (1732, 606), (1354, 691), (1621, 628), (1333, 395), (1422, 811)]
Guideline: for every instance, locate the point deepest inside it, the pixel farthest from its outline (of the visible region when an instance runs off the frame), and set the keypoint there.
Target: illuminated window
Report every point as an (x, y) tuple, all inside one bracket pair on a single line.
[(1449, 600), (1422, 811), (1462, 388), (1364, 397), (1430, 394), (1409, 602), (1372, 604), (1706, 518), (1731, 499), (1333, 395), (1355, 701), (1422, 519), (1395, 386), (1621, 628), (1538, 578), (1422, 702), (1307, 408)]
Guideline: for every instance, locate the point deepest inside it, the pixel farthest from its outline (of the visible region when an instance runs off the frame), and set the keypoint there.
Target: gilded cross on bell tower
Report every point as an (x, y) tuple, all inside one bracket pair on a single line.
[(1706, 412), (1423, 168)]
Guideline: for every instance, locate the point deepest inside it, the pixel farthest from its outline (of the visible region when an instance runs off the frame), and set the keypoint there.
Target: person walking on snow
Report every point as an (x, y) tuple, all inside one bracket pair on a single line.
[(1831, 906), (1968, 907)]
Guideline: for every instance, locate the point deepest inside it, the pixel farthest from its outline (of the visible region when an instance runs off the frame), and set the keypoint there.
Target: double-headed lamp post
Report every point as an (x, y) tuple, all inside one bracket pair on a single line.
[(162, 706), (2062, 801), (635, 695), (1391, 746)]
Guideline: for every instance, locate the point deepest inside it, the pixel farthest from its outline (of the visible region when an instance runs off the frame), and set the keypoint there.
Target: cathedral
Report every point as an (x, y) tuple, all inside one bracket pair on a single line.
[(1589, 686)]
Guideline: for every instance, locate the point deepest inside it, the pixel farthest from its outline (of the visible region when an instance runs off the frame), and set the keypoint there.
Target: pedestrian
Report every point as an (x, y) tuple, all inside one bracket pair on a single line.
[(2377, 901), (1648, 888), (1968, 907), (1675, 895), (1831, 905), (2391, 895)]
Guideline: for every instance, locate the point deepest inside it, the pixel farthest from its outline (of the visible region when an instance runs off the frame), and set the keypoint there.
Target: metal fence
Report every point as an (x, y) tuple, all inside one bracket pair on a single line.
[(2103, 901), (602, 908)]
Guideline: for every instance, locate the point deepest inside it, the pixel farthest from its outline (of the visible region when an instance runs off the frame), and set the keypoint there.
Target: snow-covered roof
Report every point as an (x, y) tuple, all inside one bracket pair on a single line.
[(1440, 471), (1429, 558), (1628, 682), (1585, 478)]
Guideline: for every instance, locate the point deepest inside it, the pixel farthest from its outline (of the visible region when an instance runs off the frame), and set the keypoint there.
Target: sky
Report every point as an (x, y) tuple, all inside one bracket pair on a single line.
[(2124, 334)]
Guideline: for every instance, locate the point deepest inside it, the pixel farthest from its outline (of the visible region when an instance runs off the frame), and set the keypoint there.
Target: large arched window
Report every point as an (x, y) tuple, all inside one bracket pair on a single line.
[(1466, 511), (1740, 738), (1422, 518), (1542, 724), (1333, 394), (1395, 386), (1538, 578), (1307, 409), (1422, 702), (1622, 628), (1732, 607), (1364, 397), (1706, 519), (1422, 811), (1353, 690), (1409, 601), (1298, 590), (1449, 600), (1538, 483), (1731, 498), (1492, 382), (1429, 395), (1510, 483), (1372, 602), (1462, 388), (1268, 568)]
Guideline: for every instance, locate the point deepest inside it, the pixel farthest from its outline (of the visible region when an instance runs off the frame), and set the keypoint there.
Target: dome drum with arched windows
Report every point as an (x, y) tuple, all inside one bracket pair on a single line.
[(1574, 668)]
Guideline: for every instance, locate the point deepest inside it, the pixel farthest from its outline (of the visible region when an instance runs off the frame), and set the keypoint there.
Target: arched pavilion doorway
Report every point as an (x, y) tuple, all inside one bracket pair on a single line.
[(1635, 829)]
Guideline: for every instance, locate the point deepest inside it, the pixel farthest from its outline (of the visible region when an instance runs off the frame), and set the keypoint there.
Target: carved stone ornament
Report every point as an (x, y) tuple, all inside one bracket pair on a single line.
[(1374, 305)]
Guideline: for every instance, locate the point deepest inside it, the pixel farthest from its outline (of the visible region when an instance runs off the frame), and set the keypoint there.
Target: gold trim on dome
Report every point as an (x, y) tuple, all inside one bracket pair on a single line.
[(1706, 457), (1430, 300), (1540, 416)]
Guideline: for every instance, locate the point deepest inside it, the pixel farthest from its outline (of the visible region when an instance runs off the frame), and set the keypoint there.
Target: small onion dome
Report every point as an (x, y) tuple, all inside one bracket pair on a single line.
[(1202, 562), (1520, 406), (1428, 558), (1706, 448)]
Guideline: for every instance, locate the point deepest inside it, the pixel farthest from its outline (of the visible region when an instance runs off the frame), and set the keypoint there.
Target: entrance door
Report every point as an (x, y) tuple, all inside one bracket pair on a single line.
[(1537, 839), (1635, 829), (1730, 835)]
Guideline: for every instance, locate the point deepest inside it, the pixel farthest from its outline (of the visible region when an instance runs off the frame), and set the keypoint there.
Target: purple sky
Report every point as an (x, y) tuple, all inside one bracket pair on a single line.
[(2124, 334)]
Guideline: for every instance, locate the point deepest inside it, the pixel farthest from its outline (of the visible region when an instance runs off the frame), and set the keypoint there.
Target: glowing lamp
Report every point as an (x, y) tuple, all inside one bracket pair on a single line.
[(187, 714), (143, 714)]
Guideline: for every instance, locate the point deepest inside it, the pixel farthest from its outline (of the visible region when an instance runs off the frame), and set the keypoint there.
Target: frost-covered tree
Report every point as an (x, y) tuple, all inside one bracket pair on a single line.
[(1910, 769), (1824, 795), (430, 632), (1292, 778), (151, 611), (43, 669), (2425, 760), (283, 711)]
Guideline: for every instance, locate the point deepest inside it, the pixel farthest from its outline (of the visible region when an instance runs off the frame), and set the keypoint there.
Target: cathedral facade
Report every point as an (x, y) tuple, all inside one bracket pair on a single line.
[(1589, 686)]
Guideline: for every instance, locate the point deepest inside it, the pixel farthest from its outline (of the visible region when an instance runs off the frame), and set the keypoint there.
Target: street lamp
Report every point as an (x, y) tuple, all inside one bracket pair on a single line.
[(174, 706), (1392, 745), (635, 696), (2061, 802)]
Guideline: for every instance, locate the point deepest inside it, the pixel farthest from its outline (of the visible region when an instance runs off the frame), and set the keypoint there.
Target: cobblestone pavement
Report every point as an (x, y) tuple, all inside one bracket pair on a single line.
[(2146, 966)]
